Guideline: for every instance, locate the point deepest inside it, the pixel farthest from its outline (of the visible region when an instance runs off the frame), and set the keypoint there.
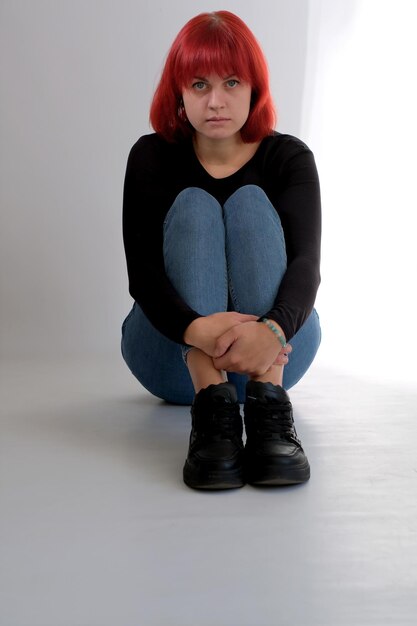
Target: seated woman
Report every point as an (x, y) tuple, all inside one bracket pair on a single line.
[(221, 224)]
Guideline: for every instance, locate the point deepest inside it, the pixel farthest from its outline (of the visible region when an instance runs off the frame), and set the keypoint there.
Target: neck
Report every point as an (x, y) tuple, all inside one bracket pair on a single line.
[(217, 151)]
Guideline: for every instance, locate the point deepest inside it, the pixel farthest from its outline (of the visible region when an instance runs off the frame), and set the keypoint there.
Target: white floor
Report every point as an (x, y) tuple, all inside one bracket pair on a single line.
[(97, 528)]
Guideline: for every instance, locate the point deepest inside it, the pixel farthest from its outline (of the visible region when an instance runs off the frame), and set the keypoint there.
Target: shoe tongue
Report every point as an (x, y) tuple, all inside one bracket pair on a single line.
[(265, 391)]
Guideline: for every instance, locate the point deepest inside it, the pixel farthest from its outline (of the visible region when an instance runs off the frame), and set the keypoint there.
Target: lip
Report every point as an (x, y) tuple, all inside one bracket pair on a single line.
[(218, 119)]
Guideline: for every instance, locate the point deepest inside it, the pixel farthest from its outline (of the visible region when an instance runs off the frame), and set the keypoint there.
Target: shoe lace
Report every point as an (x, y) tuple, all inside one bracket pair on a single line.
[(225, 421), (277, 420)]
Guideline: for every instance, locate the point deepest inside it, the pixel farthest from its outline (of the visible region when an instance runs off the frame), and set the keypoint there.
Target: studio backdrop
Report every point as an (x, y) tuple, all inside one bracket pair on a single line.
[(76, 83)]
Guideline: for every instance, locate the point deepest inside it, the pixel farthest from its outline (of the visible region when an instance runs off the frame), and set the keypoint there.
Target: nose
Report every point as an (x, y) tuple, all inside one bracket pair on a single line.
[(216, 99)]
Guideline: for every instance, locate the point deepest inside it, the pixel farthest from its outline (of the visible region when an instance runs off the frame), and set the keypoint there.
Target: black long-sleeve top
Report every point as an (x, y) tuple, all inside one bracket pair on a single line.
[(157, 171)]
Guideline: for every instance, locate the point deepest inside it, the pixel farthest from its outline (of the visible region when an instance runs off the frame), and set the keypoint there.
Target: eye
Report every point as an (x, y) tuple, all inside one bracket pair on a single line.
[(199, 85), (233, 82)]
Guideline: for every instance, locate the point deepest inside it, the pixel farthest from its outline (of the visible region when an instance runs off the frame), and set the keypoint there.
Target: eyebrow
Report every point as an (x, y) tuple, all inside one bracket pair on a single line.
[(206, 79)]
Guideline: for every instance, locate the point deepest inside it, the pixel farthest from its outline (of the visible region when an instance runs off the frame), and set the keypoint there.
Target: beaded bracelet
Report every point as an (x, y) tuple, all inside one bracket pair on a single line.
[(275, 330)]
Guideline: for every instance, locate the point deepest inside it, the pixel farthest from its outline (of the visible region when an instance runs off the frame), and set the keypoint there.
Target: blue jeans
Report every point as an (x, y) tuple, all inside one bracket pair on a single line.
[(219, 258)]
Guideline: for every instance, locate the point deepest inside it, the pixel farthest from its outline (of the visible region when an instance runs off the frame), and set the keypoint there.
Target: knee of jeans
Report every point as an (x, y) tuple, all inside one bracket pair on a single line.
[(188, 197), (255, 198), (184, 208), (250, 191), (191, 193)]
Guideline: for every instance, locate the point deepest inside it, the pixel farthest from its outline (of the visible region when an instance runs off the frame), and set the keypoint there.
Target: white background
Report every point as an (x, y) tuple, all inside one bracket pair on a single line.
[(76, 82)]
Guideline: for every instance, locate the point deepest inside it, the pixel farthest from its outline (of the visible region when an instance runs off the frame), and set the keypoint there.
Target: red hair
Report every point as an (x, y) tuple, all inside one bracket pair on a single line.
[(213, 43)]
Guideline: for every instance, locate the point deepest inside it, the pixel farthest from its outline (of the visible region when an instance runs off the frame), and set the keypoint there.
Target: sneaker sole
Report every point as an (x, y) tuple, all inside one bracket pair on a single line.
[(271, 475), (232, 479)]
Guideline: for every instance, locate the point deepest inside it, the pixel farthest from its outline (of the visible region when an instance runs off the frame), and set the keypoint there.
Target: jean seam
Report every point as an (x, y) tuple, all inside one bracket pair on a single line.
[(236, 306)]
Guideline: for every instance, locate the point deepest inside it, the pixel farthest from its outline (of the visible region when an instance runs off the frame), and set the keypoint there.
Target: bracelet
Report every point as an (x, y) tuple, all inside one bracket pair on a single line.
[(275, 330)]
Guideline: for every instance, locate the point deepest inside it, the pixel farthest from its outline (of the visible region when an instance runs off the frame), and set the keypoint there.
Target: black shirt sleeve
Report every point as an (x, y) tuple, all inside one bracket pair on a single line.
[(297, 199), (147, 196)]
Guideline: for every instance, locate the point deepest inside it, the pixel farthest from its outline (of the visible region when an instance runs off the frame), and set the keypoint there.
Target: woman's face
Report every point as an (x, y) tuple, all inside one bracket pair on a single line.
[(217, 107)]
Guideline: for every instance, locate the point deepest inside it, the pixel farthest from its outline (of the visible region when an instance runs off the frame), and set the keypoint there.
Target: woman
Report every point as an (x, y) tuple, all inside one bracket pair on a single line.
[(221, 223)]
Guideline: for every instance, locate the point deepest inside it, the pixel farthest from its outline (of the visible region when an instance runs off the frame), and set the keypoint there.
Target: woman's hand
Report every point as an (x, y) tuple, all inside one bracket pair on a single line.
[(249, 348), (204, 332)]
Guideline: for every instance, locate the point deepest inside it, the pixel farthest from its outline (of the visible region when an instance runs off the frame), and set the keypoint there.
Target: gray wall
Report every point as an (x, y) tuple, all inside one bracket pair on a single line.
[(77, 78)]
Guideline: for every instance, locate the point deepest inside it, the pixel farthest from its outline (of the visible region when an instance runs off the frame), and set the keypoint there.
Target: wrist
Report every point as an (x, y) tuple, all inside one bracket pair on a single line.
[(276, 329), (192, 331)]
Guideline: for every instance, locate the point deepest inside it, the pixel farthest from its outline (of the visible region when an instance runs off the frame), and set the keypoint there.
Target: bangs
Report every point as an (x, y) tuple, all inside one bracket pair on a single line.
[(217, 54)]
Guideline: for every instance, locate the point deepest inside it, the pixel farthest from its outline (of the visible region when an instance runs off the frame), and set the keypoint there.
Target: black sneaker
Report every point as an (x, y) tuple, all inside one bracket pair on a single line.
[(215, 455), (273, 453)]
